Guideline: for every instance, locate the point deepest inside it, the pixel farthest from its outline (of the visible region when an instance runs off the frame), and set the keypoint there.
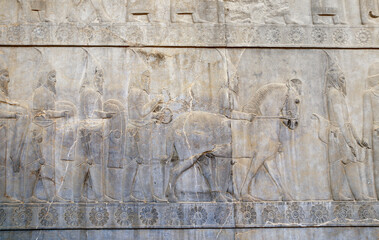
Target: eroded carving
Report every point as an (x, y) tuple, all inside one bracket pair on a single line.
[(40, 165), (345, 148), (13, 127), (369, 11), (370, 125), (89, 161), (322, 9)]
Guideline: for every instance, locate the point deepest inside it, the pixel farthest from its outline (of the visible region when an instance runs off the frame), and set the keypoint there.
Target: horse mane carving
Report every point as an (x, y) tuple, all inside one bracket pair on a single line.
[(254, 103)]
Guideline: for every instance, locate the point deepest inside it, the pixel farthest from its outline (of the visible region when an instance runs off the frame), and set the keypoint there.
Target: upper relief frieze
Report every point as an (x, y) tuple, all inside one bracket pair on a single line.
[(254, 12)]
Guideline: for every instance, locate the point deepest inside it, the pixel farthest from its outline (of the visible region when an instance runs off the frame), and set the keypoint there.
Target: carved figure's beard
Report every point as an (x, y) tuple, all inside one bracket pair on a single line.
[(99, 86), (4, 87), (51, 87)]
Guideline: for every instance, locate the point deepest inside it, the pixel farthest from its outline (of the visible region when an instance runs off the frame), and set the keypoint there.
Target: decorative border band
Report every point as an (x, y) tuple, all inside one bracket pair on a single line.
[(190, 35), (188, 215)]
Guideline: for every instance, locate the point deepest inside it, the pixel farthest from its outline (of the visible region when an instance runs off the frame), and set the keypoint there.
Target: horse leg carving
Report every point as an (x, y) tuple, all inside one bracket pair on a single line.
[(273, 171), (256, 163), (206, 165), (175, 172)]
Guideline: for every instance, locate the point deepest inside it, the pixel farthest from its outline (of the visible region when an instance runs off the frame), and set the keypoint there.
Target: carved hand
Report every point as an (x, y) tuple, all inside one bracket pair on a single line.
[(139, 160), (109, 114), (364, 143), (353, 150)]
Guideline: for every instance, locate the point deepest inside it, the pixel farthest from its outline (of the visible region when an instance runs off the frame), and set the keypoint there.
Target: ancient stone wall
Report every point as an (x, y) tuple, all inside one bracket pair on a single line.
[(189, 119)]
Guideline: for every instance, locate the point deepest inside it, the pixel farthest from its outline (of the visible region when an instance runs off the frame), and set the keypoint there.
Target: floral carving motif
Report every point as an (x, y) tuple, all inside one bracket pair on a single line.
[(367, 212), (271, 214), (363, 36), (340, 36), (342, 212), (22, 216), (40, 32), (295, 213), (273, 35), (88, 32), (318, 35), (74, 216), (99, 216), (198, 215), (125, 216), (296, 35), (3, 216), (64, 32), (48, 216), (16, 33), (222, 214), (174, 216), (149, 215), (249, 215), (319, 213)]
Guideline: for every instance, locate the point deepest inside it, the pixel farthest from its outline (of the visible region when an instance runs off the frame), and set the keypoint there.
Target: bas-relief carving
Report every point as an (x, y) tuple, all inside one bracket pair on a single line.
[(370, 129), (199, 11), (345, 147), (328, 8), (237, 141)]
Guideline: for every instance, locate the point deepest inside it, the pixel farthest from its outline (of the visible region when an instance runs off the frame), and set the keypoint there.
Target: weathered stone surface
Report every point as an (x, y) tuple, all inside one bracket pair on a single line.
[(184, 119)]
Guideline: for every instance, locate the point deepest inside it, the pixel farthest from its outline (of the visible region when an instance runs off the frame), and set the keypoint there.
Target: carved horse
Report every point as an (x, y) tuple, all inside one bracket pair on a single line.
[(197, 136)]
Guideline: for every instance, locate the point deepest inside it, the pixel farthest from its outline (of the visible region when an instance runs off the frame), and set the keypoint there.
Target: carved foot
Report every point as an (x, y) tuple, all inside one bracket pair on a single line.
[(131, 198), (34, 199), (85, 200), (272, 21), (249, 198), (343, 198), (109, 199), (293, 22), (219, 197), (8, 199), (171, 196), (287, 197), (157, 199), (60, 199)]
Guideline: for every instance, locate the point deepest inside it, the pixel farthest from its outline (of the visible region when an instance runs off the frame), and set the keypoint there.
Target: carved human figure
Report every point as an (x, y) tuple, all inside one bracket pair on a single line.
[(185, 7), (328, 8), (371, 121), (140, 7), (90, 147), (80, 9), (141, 119), (344, 146), (369, 11), (228, 97), (9, 112), (41, 148), (33, 11), (277, 8)]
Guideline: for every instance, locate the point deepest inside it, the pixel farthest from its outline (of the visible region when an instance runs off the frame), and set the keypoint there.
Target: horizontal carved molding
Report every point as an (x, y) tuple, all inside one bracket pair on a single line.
[(186, 35), (188, 215)]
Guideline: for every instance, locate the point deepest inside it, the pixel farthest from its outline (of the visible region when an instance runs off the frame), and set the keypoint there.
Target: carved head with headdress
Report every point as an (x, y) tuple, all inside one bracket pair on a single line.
[(335, 77), (48, 80)]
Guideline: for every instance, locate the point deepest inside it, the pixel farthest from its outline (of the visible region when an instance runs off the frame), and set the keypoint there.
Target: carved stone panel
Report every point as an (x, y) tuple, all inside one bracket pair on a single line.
[(202, 119)]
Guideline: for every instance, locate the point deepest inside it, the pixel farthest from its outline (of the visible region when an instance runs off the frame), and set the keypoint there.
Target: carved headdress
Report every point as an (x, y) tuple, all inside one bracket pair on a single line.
[(334, 74), (46, 71), (373, 75)]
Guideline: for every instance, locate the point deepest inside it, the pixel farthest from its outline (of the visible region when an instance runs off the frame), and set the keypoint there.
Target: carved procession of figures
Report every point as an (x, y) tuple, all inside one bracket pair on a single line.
[(189, 11), (140, 148)]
